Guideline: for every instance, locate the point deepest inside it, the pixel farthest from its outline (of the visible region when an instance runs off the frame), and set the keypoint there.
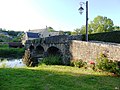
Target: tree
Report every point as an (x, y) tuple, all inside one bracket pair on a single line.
[(50, 29), (82, 30), (73, 33), (67, 33), (61, 32), (4, 38), (116, 28), (90, 30), (101, 24), (98, 25), (77, 31)]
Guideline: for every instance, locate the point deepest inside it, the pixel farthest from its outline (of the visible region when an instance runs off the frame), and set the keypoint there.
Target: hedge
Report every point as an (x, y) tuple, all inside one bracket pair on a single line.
[(113, 37)]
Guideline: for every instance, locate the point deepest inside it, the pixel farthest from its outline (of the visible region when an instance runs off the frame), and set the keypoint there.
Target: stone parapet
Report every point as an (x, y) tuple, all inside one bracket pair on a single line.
[(91, 50)]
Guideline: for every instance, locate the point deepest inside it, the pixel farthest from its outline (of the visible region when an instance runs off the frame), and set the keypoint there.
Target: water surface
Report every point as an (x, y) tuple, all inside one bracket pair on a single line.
[(13, 63)]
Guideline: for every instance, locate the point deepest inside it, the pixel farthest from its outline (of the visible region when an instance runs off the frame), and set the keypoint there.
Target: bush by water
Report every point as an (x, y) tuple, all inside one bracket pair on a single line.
[(52, 60), (11, 52)]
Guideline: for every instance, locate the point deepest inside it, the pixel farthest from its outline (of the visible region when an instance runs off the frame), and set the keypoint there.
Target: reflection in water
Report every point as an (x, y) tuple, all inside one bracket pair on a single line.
[(17, 63)]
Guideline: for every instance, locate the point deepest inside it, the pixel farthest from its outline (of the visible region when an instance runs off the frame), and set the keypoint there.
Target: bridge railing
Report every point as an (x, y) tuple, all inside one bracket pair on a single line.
[(55, 39), (62, 38)]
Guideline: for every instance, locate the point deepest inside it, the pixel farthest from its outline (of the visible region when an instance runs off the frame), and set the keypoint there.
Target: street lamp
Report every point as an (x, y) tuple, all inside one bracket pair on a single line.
[(81, 11)]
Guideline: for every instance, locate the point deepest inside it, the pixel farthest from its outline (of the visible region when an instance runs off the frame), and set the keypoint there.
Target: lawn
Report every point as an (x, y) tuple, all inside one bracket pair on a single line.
[(56, 78)]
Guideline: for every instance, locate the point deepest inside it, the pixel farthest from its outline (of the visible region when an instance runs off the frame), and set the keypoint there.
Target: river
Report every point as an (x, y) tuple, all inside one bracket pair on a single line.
[(11, 63)]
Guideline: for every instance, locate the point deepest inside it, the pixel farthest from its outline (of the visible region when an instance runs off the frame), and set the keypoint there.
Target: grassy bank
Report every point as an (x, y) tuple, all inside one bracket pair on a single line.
[(7, 52), (56, 78)]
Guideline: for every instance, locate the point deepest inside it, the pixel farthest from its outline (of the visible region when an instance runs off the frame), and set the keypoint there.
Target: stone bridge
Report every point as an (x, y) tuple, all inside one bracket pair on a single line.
[(54, 45), (72, 48)]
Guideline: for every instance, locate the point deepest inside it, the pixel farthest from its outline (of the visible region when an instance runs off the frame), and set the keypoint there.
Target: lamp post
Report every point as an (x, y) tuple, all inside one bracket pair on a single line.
[(81, 11)]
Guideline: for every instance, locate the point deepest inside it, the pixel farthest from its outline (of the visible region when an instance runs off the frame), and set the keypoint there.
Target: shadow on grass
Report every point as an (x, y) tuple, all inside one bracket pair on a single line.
[(41, 79)]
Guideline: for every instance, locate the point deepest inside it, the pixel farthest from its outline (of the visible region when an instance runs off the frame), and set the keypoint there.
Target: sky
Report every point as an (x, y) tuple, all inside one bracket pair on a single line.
[(22, 15)]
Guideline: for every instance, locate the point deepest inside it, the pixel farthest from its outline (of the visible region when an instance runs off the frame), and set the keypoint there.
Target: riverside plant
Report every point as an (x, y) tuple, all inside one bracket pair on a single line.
[(91, 64), (3, 63), (103, 63), (11, 52), (78, 63), (51, 60)]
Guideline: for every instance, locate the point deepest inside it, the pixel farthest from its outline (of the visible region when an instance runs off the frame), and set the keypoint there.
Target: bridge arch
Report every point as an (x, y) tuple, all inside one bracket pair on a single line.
[(39, 49), (54, 51)]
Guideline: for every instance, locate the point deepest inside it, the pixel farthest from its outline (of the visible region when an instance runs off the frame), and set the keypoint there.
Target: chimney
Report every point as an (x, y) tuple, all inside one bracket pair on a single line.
[(46, 27)]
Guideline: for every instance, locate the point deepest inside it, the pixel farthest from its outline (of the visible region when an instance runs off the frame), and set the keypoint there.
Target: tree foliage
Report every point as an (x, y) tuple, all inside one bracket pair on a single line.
[(12, 36), (77, 31), (83, 29), (101, 24), (98, 25), (116, 28), (50, 29), (67, 33)]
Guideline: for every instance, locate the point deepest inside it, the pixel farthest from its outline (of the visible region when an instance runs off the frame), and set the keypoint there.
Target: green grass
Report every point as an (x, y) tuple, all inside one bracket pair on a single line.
[(56, 78)]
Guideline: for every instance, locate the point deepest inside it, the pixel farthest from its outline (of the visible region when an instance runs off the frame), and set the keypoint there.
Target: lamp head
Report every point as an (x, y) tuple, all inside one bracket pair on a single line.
[(81, 9)]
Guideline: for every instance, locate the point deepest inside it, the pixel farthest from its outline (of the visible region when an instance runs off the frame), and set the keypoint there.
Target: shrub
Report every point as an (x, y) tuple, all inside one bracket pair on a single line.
[(91, 64), (11, 52), (3, 45), (103, 63), (78, 63), (6, 52), (52, 60)]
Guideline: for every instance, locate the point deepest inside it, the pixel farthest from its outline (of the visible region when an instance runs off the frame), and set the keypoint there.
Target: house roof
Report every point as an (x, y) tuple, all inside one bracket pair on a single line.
[(4, 33), (33, 35), (38, 30)]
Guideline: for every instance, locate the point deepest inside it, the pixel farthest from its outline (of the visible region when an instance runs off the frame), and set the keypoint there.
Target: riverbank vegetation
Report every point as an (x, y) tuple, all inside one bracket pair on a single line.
[(49, 77), (6, 52)]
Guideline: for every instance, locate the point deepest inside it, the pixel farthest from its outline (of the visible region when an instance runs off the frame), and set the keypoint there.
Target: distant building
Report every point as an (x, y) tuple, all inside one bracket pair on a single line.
[(38, 33), (4, 33), (30, 36), (44, 32)]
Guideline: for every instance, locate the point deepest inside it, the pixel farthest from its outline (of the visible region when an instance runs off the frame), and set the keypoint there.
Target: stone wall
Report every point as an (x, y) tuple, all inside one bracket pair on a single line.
[(91, 50), (61, 39)]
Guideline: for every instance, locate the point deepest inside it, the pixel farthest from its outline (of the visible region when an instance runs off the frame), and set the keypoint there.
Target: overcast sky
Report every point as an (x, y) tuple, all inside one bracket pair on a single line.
[(59, 14)]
